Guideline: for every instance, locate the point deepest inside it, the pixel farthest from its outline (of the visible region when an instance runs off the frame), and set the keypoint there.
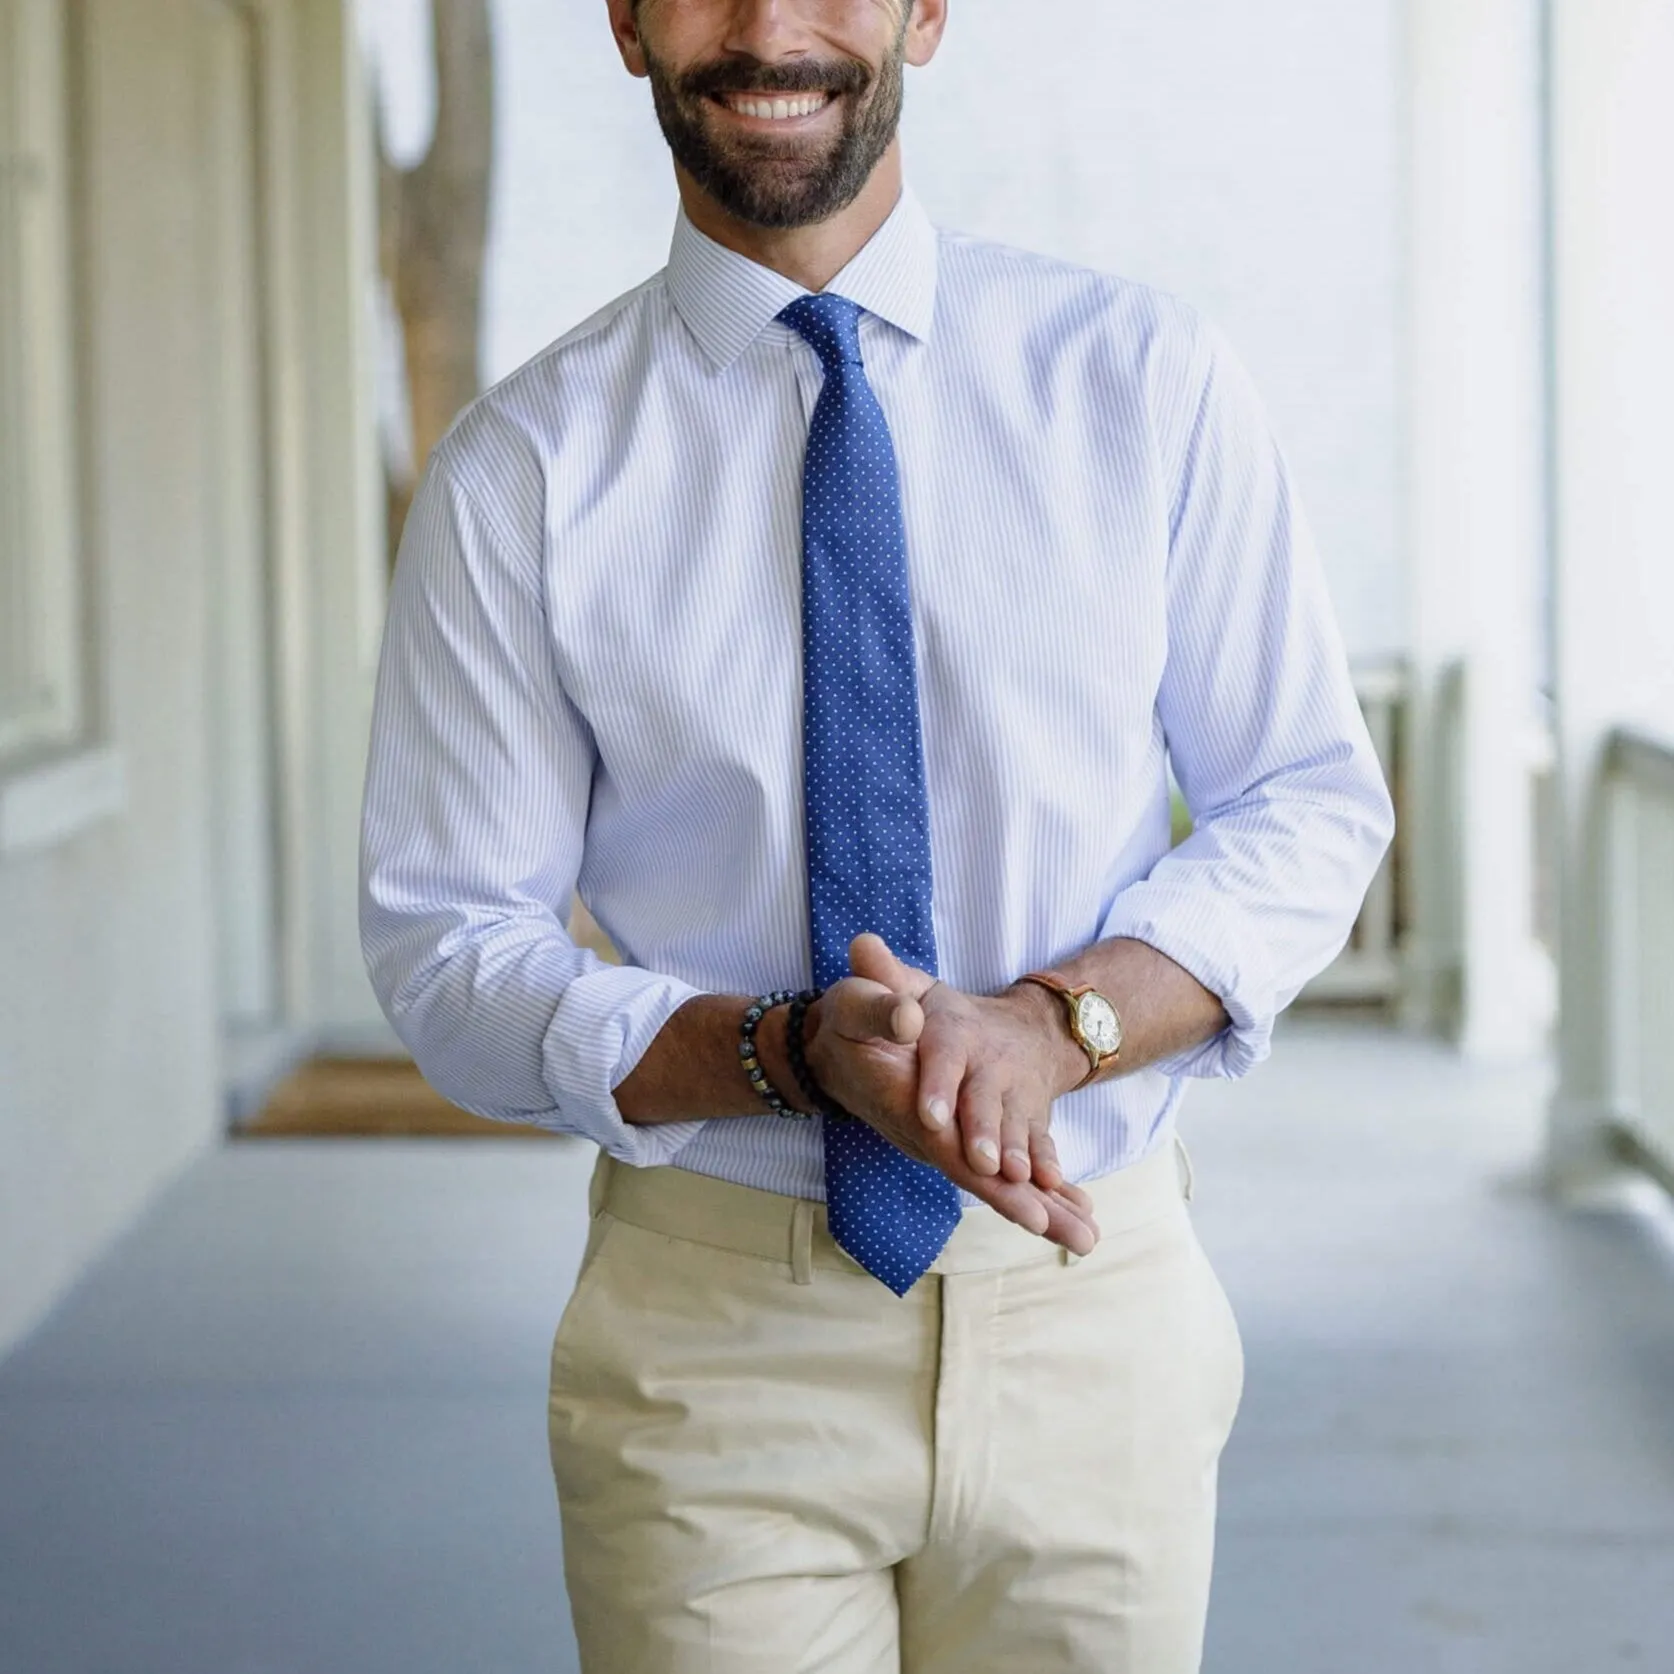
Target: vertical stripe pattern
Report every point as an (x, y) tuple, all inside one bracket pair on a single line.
[(592, 678)]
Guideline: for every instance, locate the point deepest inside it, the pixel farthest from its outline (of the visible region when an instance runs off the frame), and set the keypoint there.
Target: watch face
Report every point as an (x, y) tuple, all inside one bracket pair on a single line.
[(1099, 1023)]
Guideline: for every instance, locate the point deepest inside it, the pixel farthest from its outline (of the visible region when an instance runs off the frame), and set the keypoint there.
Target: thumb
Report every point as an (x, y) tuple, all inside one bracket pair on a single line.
[(858, 1009), (870, 957)]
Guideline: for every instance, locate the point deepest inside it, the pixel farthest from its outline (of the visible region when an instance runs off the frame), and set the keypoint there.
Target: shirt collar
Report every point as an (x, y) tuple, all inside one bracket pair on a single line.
[(725, 299)]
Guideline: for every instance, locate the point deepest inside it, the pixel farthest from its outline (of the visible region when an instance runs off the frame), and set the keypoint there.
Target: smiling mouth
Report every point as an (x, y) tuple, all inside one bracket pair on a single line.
[(774, 107)]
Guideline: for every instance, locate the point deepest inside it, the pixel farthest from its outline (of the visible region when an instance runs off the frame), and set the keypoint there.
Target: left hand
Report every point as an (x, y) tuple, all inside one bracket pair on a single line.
[(993, 1065)]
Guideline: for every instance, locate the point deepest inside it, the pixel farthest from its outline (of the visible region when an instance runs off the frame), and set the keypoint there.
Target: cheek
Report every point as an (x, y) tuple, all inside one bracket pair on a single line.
[(680, 33)]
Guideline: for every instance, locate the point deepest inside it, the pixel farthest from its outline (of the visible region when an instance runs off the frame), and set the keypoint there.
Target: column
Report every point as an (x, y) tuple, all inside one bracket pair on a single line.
[(1475, 458), (1612, 135)]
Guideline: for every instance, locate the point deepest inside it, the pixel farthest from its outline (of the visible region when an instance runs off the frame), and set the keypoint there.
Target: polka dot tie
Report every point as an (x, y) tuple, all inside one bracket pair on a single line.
[(863, 762)]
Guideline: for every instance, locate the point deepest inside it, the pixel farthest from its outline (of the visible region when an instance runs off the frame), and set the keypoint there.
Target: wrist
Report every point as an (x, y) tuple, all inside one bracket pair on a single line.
[(773, 1049), (805, 1042), (1062, 1059)]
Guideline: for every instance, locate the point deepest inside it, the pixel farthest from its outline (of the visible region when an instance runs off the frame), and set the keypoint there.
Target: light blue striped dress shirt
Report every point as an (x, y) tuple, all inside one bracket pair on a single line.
[(591, 678)]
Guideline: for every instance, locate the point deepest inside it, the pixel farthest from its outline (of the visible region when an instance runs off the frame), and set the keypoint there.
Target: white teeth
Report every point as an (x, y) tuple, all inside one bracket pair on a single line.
[(779, 110)]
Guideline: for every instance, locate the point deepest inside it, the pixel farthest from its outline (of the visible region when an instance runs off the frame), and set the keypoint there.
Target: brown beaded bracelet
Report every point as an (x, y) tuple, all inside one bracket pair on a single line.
[(751, 1059)]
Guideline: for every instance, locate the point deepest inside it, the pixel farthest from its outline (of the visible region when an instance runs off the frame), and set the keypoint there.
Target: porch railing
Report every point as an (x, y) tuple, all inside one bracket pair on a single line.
[(1638, 789), (1369, 968)]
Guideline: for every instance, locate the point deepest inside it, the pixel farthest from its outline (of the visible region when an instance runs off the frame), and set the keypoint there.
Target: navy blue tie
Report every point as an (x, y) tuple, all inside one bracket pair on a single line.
[(868, 816)]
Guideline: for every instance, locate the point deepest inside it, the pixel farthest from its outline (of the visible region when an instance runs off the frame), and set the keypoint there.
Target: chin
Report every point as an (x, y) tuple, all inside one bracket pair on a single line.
[(779, 197)]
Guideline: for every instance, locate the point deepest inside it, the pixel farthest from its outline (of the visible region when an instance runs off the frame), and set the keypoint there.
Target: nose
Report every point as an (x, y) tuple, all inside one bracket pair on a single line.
[(769, 31)]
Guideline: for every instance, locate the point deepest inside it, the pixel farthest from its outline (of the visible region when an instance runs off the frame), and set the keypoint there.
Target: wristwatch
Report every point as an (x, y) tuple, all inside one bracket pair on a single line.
[(1093, 1020)]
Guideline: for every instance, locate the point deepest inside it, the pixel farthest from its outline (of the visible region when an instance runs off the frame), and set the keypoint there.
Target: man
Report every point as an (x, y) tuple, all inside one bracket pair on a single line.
[(827, 610)]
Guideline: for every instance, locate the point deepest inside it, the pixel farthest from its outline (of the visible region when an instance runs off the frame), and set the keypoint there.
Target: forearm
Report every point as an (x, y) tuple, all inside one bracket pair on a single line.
[(1164, 1009), (693, 1067)]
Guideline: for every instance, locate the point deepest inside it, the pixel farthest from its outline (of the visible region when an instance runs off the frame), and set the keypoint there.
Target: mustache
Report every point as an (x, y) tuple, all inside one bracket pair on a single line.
[(837, 76)]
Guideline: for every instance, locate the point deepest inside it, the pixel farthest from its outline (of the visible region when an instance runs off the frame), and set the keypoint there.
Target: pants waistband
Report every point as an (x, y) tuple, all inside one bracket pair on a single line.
[(700, 1209)]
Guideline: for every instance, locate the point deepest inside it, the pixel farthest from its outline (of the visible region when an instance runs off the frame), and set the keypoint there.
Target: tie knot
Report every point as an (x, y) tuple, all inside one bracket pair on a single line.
[(830, 325)]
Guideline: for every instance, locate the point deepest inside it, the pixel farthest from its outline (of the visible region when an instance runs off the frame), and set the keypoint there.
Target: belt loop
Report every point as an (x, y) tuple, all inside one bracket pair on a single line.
[(599, 1185), (1183, 1157), (802, 1242)]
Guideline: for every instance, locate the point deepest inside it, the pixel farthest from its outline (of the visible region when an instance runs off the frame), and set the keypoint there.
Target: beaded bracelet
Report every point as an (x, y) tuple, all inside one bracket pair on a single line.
[(796, 1050), (751, 1059)]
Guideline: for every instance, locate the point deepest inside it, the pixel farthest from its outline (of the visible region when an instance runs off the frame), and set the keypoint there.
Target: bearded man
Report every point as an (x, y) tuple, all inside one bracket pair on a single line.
[(827, 611)]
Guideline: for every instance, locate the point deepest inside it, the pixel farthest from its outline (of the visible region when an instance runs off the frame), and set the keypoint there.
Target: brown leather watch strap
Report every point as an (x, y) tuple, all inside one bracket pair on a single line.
[(1055, 984)]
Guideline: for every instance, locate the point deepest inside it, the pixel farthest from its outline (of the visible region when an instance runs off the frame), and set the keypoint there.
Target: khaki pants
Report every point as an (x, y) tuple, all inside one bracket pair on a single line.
[(768, 1464)]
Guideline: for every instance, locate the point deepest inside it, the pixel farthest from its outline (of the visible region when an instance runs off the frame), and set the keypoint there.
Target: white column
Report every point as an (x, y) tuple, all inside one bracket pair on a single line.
[(1475, 458), (332, 547), (1612, 139)]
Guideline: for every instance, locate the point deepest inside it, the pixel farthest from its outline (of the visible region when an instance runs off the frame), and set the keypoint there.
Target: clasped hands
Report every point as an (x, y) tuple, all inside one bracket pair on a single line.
[(960, 1081)]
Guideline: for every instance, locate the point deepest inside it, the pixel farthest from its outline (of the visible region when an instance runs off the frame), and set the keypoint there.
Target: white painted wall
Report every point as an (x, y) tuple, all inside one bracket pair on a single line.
[(1242, 153), (110, 1059), (107, 1013)]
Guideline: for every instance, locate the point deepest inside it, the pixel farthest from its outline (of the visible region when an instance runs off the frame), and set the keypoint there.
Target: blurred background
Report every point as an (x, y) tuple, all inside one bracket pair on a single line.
[(274, 1319)]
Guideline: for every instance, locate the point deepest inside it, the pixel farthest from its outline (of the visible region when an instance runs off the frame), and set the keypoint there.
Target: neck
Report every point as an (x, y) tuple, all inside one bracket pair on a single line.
[(810, 256)]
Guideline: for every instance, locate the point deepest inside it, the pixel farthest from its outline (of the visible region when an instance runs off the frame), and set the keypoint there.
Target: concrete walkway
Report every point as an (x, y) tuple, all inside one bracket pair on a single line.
[(294, 1423)]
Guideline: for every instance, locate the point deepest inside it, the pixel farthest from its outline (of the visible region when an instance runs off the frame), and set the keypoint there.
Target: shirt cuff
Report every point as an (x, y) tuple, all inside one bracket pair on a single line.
[(603, 1026), (1239, 980)]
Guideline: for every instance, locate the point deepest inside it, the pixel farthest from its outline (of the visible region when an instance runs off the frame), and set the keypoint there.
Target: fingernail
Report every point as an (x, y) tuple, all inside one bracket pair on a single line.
[(936, 1113), (987, 1149), (1018, 1157)]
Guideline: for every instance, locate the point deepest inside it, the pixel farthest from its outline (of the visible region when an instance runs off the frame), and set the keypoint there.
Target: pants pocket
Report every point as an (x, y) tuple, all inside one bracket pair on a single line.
[(1226, 1341), (586, 1281)]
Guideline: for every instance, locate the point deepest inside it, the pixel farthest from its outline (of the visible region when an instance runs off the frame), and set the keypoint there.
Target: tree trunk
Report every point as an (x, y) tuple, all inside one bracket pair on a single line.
[(433, 232)]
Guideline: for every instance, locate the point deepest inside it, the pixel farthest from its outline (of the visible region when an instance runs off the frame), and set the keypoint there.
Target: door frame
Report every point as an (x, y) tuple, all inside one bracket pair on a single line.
[(316, 232)]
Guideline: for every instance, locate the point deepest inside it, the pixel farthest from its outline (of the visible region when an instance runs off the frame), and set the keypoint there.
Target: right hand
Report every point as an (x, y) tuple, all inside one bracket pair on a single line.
[(862, 1046)]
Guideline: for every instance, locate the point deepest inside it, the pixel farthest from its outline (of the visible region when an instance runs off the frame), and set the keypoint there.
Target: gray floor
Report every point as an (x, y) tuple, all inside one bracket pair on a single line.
[(293, 1424)]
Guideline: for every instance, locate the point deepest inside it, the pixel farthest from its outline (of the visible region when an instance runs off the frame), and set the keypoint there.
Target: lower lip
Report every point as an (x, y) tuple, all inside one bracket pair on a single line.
[(776, 124)]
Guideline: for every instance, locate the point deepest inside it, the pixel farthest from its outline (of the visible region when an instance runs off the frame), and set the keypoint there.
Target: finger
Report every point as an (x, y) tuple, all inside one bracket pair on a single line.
[(1042, 1213), (870, 958), (979, 1113), (1022, 1204), (942, 1065), (868, 1011), (906, 1021), (1016, 1156), (1066, 1226), (1062, 1217), (1044, 1168), (1077, 1199)]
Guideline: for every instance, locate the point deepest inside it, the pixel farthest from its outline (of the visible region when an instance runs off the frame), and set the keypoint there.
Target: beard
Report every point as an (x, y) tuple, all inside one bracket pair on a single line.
[(781, 183)]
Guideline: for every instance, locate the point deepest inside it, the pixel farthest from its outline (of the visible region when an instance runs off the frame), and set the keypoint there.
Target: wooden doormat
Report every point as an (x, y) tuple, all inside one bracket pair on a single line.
[(368, 1098)]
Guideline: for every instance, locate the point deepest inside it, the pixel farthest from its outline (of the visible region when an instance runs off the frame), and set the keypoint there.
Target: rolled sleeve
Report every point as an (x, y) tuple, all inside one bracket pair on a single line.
[(603, 1025), (1157, 917), (1291, 817), (479, 780)]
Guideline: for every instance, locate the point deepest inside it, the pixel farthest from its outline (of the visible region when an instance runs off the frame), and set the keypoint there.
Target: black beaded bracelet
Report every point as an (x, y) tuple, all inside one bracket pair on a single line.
[(796, 1049), (751, 1059)]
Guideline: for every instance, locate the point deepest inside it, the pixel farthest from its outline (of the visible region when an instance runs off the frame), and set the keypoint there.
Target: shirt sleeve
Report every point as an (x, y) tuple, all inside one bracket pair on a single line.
[(1290, 812), (477, 790)]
